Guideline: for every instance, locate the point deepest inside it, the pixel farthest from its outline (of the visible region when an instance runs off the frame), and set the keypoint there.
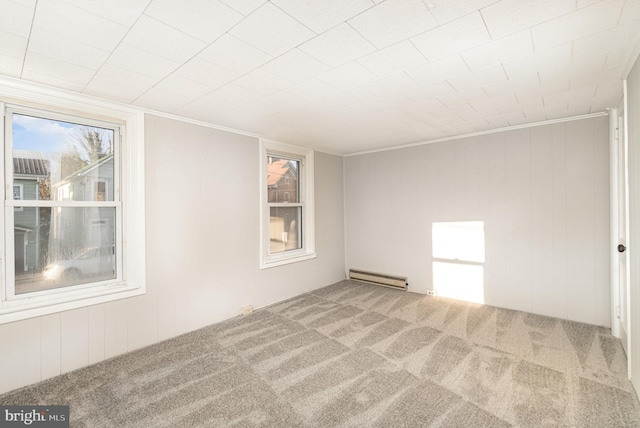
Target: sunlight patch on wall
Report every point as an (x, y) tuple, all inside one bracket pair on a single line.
[(458, 260)]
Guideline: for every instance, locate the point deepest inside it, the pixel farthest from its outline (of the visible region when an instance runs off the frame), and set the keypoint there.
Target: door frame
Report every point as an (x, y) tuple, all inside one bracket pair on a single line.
[(618, 172)]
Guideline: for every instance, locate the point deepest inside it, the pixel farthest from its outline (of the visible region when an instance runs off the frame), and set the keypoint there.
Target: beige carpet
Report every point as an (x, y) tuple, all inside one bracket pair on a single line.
[(357, 355)]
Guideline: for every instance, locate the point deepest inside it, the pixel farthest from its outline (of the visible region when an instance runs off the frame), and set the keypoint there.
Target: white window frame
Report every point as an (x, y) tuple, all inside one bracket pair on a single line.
[(305, 196), (131, 278)]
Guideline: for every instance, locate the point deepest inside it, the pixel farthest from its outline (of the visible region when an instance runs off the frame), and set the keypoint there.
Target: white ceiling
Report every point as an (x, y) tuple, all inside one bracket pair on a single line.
[(337, 75)]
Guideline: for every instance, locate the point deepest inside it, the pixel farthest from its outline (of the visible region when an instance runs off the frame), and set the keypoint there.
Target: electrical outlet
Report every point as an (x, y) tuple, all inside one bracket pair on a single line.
[(431, 292), (246, 310)]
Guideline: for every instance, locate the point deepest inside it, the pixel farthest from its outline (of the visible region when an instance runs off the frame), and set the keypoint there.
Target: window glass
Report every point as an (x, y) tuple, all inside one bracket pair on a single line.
[(61, 167), (61, 160), (285, 229), (66, 254), (282, 178)]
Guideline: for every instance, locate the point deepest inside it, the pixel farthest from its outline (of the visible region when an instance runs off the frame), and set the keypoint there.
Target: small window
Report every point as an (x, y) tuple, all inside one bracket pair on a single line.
[(101, 190), (17, 192), (286, 204)]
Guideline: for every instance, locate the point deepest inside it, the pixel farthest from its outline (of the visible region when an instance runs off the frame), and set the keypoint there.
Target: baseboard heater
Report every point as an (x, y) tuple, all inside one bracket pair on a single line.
[(392, 281)]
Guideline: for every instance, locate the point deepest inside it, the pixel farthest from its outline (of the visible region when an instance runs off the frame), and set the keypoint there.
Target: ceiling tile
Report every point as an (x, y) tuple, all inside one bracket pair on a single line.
[(204, 73), (311, 90), (394, 59), (205, 20), (396, 85), (605, 41), (338, 46), (181, 85), (295, 66), (245, 7), (504, 101), (164, 100), (477, 78), (435, 90), (282, 100), (448, 10), (271, 30), (439, 71), (498, 51), (535, 61), (573, 70), (162, 40), (234, 54), (619, 58), (45, 69), (321, 15), (592, 80), (392, 21), (262, 82), (141, 62), (9, 65), (124, 12), (72, 22), (511, 16), (581, 23), (630, 12), (15, 18), (347, 76), (118, 84), (13, 46), (452, 38), (512, 85), (66, 49)]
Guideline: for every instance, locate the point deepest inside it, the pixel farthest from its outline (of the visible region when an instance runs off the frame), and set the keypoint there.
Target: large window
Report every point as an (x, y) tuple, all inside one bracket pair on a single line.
[(71, 225), (286, 200)]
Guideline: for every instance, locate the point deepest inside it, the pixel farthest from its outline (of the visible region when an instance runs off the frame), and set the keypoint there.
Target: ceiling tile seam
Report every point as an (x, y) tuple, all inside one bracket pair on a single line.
[(84, 88), (260, 66), (620, 15), (101, 16), (26, 48), (486, 27), (207, 45), (295, 19)]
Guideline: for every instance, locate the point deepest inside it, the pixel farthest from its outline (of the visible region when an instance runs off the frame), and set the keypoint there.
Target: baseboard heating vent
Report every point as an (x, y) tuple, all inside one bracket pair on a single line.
[(393, 281)]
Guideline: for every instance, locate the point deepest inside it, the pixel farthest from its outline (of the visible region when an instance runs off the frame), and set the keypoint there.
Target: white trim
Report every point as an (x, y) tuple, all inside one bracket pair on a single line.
[(130, 210), (614, 219), (479, 133), (629, 250), (305, 198)]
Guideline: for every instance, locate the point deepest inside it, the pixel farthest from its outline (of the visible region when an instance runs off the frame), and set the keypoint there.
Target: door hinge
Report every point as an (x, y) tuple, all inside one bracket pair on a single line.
[(618, 312)]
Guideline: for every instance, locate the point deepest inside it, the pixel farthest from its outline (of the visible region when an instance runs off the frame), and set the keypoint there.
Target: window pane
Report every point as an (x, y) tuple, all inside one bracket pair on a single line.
[(282, 180), (284, 229), (62, 161), (58, 247)]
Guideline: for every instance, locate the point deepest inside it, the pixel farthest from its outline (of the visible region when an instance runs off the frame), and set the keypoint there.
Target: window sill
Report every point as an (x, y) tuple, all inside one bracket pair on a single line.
[(29, 307), (281, 260)]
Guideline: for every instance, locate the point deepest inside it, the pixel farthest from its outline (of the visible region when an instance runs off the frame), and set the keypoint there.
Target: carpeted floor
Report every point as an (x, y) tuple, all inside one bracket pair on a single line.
[(357, 355)]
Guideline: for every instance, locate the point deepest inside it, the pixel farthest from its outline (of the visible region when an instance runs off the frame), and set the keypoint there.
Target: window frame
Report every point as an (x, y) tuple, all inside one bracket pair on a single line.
[(306, 202), (20, 97)]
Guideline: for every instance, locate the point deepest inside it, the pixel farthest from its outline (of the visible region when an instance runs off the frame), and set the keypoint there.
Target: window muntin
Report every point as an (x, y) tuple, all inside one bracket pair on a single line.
[(286, 204), (58, 159)]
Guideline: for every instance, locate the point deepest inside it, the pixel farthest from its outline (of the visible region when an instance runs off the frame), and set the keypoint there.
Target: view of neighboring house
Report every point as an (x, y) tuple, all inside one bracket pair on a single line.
[(77, 229), (31, 171)]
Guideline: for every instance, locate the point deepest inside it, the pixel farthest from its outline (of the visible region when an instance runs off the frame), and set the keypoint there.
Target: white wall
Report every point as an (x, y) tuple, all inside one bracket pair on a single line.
[(542, 193), (202, 255), (633, 118)]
